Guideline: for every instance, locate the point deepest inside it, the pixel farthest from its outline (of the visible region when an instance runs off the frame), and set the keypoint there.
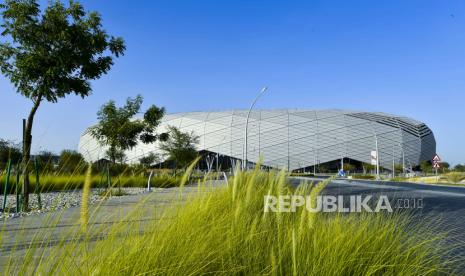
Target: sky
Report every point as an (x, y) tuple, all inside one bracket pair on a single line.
[(401, 57)]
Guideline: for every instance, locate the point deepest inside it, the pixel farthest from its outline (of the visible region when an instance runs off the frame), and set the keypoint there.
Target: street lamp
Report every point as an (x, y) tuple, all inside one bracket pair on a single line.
[(377, 157), (377, 152), (244, 151), (393, 162)]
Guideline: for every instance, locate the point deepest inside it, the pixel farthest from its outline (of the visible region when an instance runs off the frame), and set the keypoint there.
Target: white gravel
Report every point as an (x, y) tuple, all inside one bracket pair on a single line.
[(57, 200)]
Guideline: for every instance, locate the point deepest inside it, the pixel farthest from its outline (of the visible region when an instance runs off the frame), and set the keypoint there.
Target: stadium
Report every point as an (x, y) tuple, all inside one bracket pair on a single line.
[(295, 139)]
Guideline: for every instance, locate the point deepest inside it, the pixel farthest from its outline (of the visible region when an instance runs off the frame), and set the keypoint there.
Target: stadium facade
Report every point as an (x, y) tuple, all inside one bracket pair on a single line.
[(294, 139)]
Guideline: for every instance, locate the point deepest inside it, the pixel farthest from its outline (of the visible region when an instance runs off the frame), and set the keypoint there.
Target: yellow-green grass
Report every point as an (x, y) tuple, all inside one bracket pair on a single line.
[(72, 182), (455, 177), (225, 231), (451, 178)]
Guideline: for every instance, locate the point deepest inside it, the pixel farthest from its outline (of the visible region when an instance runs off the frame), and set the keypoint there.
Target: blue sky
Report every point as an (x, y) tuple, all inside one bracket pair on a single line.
[(401, 57)]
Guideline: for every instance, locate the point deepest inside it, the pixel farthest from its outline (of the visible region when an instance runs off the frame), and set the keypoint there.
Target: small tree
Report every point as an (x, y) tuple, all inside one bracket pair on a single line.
[(51, 54), (180, 147), (149, 159), (116, 155), (45, 161), (71, 161), (445, 167), (398, 168), (368, 168), (323, 168), (9, 151), (426, 167), (349, 167), (459, 168), (118, 130)]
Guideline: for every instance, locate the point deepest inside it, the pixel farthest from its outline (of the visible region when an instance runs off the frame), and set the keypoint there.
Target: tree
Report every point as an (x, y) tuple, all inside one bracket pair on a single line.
[(9, 151), (50, 54), (116, 155), (459, 168), (149, 159), (445, 167), (71, 161), (323, 168), (426, 166), (180, 146), (349, 167), (45, 162), (399, 168), (368, 168), (118, 130)]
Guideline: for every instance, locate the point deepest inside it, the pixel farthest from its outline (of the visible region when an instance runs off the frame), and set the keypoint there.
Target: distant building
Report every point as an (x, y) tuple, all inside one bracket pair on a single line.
[(295, 139)]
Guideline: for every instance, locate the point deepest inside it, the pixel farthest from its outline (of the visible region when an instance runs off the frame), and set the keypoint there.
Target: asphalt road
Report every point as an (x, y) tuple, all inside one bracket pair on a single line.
[(449, 201), (444, 206)]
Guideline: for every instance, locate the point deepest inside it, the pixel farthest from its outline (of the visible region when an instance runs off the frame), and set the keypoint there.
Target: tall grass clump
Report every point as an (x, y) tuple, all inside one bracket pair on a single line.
[(85, 199), (226, 231), (455, 177), (50, 183)]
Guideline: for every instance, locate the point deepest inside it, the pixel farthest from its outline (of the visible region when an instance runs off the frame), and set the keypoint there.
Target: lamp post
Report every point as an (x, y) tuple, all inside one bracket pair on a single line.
[(377, 152), (314, 163), (244, 152), (393, 162), (377, 158), (403, 161)]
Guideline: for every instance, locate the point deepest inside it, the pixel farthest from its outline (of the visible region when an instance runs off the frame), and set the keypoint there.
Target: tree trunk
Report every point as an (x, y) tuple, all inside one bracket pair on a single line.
[(27, 141)]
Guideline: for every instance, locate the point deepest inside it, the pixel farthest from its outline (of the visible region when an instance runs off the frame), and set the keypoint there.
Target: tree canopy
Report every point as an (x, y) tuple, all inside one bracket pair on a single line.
[(149, 159), (180, 147), (119, 130), (426, 166), (71, 161), (45, 161), (9, 151), (51, 53), (55, 52)]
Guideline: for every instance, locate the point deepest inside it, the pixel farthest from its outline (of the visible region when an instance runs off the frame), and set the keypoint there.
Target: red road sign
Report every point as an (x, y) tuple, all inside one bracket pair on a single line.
[(436, 159), (436, 165)]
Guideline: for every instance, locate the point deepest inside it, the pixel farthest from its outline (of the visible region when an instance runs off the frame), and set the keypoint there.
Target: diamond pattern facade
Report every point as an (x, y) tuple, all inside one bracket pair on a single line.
[(295, 138)]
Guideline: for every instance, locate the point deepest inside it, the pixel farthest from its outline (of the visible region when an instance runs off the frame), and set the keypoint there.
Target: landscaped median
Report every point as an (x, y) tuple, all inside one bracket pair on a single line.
[(451, 178), (226, 231), (64, 191), (51, 182)]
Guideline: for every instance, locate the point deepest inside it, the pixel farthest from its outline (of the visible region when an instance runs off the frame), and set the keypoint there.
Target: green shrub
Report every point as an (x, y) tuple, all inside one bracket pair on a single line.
[(303, 174), (363, 176), (50, 183)]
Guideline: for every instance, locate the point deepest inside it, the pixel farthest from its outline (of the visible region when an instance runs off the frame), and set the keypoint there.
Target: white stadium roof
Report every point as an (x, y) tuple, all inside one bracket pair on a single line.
[(295, 138)]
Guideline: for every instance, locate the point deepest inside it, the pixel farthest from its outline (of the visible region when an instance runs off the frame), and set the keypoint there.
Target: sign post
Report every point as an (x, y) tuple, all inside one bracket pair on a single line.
[(436, 165), (375, 160)]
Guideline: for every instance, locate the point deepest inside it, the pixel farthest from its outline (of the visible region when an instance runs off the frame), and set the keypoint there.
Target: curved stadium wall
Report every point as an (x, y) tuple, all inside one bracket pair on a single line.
[(295, 138)]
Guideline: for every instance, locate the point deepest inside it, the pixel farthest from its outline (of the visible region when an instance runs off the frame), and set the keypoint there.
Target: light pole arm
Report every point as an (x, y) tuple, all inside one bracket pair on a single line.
[(244, 149)]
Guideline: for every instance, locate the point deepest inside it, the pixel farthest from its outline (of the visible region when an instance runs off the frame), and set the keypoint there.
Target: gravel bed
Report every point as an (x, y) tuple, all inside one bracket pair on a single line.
[(57, 201)]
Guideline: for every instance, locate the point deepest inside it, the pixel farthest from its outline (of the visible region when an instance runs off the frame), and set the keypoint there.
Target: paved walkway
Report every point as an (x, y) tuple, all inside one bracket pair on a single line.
[(19, 234)]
